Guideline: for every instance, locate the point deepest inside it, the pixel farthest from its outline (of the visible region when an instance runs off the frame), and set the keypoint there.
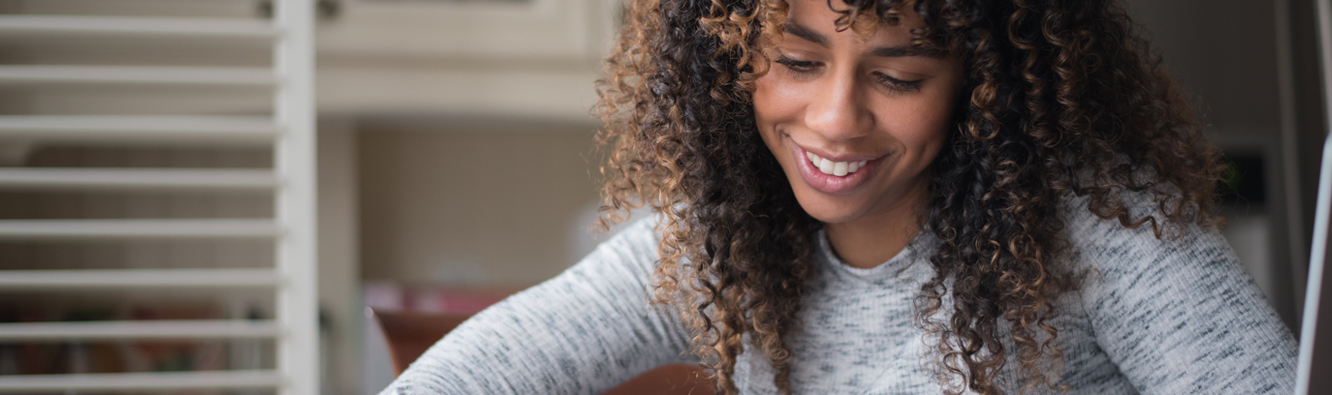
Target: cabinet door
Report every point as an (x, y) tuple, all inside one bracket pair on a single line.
[(468, 30), (494, 59)]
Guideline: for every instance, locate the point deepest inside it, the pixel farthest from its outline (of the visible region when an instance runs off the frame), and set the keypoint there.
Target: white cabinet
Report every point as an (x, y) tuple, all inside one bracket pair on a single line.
[(531, 59), (513, 30)]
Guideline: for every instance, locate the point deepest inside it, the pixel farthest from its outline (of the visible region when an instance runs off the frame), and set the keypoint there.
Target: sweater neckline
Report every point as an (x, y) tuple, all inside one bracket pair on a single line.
[(889, 269)]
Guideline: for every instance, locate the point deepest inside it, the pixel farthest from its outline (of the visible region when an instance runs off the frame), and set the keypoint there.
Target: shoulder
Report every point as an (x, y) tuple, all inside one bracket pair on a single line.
[(631, 250), (636, 237), (1121, 270), (1108, 244), (1182, 299)]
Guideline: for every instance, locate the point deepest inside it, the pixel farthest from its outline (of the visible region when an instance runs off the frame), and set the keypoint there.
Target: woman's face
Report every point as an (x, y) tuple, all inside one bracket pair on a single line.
[(854, 120)]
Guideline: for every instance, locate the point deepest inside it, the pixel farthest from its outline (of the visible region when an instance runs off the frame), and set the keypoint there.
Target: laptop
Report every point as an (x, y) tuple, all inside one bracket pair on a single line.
[(1315, 363)]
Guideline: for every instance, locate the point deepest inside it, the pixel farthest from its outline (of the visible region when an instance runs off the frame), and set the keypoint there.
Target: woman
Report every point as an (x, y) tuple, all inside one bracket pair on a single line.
[(860, 196)]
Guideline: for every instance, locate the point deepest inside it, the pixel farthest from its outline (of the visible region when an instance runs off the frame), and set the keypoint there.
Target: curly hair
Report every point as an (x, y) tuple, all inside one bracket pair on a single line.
[(1061, 98)]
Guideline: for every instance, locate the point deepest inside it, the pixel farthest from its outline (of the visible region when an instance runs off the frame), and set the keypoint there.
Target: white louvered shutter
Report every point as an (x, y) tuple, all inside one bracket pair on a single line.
[(170, 113)]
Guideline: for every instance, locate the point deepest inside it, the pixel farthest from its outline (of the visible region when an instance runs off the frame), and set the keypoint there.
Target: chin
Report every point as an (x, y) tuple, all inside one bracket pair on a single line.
[(828, 209)]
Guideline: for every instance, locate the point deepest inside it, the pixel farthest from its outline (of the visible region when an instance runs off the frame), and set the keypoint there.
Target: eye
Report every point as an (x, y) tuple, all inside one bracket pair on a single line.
[(797, 66), (897, 85)]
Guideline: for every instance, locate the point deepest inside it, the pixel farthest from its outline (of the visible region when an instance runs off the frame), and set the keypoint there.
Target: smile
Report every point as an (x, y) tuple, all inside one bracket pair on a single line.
[(834, 168), (837, 178)]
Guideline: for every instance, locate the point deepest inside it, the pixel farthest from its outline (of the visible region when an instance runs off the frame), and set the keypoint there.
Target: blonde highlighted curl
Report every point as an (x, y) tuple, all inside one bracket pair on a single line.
[(1061, 99)]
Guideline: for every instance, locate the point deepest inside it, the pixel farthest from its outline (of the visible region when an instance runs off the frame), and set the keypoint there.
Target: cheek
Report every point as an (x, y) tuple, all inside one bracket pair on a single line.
[(922, 124), (769, 110), (761, 105), (777, 100)]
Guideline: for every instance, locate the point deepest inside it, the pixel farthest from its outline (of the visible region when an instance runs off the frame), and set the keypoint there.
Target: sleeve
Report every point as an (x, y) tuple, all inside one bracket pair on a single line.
[(582, 332), (1181, 316)]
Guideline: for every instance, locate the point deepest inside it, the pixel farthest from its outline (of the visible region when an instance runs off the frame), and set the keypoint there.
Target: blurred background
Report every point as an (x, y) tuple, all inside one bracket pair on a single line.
[(454, 163)]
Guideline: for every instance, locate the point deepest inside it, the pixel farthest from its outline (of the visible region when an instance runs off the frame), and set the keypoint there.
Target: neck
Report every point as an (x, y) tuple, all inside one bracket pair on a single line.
[(875, 238)]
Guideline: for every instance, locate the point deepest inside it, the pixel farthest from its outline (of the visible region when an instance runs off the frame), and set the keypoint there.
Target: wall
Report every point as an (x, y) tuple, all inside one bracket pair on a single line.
[(452, 204), (1224, 53), (339, 253)]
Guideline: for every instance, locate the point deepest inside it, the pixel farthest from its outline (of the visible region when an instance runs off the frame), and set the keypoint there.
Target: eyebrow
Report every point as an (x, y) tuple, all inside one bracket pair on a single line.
[(806, 33), (812, 36)]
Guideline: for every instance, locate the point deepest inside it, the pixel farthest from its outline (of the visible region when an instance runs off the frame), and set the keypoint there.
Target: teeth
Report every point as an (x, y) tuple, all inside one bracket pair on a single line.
[(834, 168)]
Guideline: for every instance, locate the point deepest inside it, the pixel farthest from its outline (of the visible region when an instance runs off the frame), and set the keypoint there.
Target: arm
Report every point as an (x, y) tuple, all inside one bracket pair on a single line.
[(1180, 316), (582, 332)]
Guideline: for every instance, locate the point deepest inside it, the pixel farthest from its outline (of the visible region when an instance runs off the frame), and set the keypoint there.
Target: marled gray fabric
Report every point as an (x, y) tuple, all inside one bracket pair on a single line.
[(1154, 317)]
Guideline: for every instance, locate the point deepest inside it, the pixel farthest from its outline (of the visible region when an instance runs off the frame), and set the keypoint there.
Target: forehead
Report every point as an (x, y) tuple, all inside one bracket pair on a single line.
[(821, 15)]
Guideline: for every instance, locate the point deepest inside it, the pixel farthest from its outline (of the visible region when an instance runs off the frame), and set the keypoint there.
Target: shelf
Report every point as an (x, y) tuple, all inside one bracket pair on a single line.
[(137, 228), (141, 381), (188, 27), (137, 278), (139, 330), (224, 76), (222, 129), (83, 178), (135, 179)]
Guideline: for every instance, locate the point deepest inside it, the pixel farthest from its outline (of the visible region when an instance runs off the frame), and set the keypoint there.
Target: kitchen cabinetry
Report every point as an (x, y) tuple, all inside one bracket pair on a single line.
[(534, 59)]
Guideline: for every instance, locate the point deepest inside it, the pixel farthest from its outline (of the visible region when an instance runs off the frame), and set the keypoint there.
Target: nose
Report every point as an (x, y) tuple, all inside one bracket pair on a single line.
[(838, 111)]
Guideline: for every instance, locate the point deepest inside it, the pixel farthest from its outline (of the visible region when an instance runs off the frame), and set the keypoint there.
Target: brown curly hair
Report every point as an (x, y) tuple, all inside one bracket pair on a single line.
[(1062, 99)]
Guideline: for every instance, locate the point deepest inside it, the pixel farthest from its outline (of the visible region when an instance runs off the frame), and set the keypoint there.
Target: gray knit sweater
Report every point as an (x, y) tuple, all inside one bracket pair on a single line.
[(1153, 317)]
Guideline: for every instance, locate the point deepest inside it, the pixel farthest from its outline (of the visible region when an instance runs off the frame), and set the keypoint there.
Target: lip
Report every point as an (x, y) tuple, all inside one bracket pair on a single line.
[(828, 183)]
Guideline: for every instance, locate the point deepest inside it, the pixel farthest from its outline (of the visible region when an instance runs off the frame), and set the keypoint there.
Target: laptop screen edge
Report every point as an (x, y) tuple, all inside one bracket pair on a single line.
[(1316, 266)]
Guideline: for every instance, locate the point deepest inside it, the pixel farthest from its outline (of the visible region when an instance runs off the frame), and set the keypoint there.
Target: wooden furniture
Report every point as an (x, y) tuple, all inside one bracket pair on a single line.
[(410, 333)]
